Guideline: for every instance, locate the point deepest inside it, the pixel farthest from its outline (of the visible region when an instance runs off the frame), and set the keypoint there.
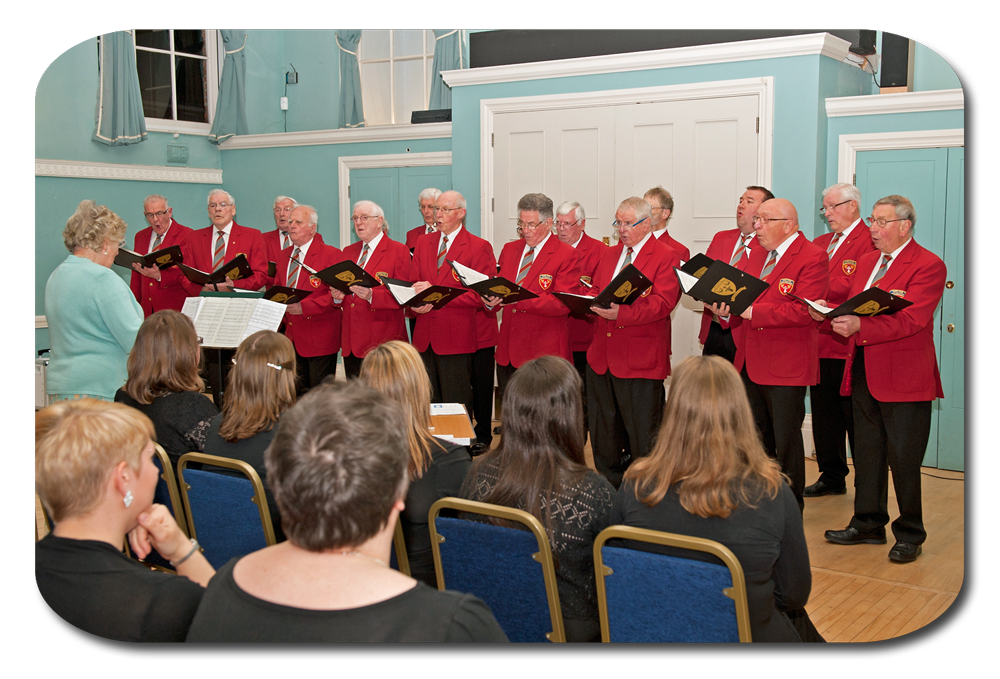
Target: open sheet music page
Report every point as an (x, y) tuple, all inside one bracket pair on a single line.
[(469, 276), (266, 315), (402, 293), (687, 281)]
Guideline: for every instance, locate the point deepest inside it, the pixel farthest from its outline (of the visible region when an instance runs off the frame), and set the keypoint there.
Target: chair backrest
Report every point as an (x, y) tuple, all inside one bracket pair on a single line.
[(228, 515), (42, 524), (510, 569), (649, 597), (397, 557), (167, 493)]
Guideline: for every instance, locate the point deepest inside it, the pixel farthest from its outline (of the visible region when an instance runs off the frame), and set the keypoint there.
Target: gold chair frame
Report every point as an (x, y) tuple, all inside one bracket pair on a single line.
[(172, 489), (399, 545)]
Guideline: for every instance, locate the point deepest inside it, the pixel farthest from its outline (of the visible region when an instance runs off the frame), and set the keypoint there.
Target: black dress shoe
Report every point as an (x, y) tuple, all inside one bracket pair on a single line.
[(478, 449), (852, 536), (822, 488), (904, 552)]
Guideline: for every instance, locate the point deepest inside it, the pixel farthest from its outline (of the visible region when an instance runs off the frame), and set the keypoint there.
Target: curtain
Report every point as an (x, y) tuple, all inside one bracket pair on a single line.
[(231, 108), (451, 52), (352, 113), (120, 120)]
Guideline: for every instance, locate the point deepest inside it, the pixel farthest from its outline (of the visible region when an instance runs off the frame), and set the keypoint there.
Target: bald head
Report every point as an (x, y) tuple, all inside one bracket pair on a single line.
[(776, 221)]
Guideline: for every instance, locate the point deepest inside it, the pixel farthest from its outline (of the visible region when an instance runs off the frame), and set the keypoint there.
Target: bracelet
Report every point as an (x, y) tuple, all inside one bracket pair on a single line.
[(194, 548)]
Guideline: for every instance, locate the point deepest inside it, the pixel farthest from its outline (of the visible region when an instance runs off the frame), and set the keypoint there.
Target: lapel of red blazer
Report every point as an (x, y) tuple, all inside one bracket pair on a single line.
[(455, 253), (376, 255), (899, 265), (786, 259), (540, 259)]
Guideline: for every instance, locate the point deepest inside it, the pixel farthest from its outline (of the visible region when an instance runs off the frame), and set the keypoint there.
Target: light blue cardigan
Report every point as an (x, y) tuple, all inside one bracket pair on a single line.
[(93, 318)]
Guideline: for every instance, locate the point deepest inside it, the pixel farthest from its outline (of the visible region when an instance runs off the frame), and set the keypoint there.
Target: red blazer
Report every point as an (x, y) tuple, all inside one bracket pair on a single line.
[(167, 293), (537, 327), (843, 270), (317, 331), (487, 332), (368, 324), (581, 328), (413, 235), (242, 239), (272, 248), (637, 344), (451, 329), (722, 248), (900, 358), (665, 238), (780, 346)]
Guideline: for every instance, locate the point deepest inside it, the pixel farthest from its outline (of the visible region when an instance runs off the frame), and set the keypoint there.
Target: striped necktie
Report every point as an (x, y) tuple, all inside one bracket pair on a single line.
[(769, 266), (525, 265), (293, 269), (220, 250), (156, 243), (626, 262), (833, 245), (443, 251), (364, 256), (881, 270), (738, 254), (286, 242)]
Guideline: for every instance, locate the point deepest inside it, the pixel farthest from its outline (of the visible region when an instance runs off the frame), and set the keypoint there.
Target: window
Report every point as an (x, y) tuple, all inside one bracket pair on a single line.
[(395, 74), (178, 78)]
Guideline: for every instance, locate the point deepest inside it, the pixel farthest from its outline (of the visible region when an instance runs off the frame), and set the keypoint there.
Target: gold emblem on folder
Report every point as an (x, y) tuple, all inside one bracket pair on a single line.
[(433, 297), (870, 308), (501, 290), (164, 259), (280, 298), (724, 287), (347, 277), (624, 291), (233, 273), (700, 272)]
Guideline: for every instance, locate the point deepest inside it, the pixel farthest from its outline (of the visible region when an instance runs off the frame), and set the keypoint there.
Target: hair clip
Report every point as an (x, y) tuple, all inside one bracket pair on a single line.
[(275, 366), (233, 359)]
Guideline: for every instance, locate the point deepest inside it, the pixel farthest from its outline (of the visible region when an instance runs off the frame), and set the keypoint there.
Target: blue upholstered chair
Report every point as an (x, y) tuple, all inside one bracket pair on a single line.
[(643, 596), (397, 557), (228, 515), (510, 569), (166, 494)]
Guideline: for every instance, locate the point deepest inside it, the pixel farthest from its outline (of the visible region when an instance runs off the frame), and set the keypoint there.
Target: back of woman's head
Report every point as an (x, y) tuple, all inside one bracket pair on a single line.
[(164, 357), (261, 385), (397, 371), (337, 465), (91, 225), (707, 443), (78, 444)]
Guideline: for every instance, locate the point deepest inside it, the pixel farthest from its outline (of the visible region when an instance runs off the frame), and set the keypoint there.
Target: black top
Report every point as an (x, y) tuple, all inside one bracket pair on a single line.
[(229, 614), (768, 541), (442, 479), (251, 451), (180, 418), (95, 587), (579, 514)]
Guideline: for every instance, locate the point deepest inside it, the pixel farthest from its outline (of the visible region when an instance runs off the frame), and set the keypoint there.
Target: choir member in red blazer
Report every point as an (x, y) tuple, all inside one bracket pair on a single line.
[(832, 414), (777, 349), (662, 205), (732, 246), (570, 224), (277, 240), (314, 324), (238, 240), (630, 355), (542, 264), (483, 370), (448, 338), (371, 315), (427, 198), (892, 377), (157, 290)]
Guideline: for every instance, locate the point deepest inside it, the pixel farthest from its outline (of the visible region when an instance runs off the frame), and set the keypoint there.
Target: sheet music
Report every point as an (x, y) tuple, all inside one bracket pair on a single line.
[(192, 305), (818, 307), (469, 276), (402, 293), (687, 280), (266, 315), (448, 409)]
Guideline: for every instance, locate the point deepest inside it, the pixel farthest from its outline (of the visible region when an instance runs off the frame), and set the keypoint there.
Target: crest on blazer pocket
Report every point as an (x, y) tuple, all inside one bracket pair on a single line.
[(849, 266), (380, 275), (313, 281), (454, 274), (646, 291), (785, 285), (587, 279), (545, 280), (898, 293)]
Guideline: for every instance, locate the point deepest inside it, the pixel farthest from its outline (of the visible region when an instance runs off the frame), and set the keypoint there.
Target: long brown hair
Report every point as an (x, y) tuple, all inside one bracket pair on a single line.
[(396, 369), (260, 386), (164, 357), (707, 445), (541, 452)]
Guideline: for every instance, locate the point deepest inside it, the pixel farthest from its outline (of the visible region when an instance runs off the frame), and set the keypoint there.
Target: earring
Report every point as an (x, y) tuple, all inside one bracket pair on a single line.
[(128, 498), (105, 251)]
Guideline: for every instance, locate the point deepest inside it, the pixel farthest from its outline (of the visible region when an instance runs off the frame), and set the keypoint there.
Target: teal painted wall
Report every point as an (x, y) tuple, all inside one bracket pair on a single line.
[(931, 72)]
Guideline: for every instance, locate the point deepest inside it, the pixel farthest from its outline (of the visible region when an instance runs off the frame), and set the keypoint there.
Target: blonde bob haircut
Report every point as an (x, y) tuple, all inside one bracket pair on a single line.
[(396, 370), (164, 357), (707, 447), (77, 446), (91, 225), (260, 386)]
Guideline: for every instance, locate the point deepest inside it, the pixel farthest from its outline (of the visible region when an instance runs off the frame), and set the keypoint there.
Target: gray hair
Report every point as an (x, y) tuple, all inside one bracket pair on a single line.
[(536, 202), (217, 191), (154, 196), (571, 206), (377, 209), (91, 225), (281, 199), (311, 211), (639, 206), (845, 191), (429, 193), (902, 207)]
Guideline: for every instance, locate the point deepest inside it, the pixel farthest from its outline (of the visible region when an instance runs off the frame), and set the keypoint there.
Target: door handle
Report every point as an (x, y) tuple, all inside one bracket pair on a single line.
[(951, 327)]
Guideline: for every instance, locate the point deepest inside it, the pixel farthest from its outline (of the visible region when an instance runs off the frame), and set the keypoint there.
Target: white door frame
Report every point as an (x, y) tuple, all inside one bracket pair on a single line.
[(851, 144), (347, 163), (488, 108)]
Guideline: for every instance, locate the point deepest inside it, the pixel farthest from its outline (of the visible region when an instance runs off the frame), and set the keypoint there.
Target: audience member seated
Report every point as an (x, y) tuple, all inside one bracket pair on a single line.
[(539, 468), (337, 466), (95, 475), (436, 468), (709, 477), (163, 383), (260, 387)]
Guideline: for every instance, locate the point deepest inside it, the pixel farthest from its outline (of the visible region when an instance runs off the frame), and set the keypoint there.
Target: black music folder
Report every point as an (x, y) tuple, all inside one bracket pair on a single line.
[(437, 295), (624, 288), (720, 283), (235, 269), (871, 302), (343, 275), (497, 286), (285, 295), (163, 258)]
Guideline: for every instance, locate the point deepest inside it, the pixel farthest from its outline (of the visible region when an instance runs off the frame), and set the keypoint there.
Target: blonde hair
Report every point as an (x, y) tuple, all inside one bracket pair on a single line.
[(397, 371), (257, 390), (707, 447), (91, 225), (164, 357), (77, 446)]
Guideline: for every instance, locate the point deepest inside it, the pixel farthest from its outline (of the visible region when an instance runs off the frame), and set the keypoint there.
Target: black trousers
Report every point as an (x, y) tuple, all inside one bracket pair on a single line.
[(450, 376), (352, 366), (624, 418), (504, 373), (312, 369), (832, 418), (719, 342), (482, 394), (778, 412), (890, 435), (580, 363)]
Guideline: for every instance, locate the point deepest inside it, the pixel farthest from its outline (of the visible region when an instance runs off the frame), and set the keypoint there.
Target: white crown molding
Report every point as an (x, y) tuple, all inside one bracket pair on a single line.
[(850, 144), (345, 136), (41, 322), (140, 173), (823, 44), (901, 102)]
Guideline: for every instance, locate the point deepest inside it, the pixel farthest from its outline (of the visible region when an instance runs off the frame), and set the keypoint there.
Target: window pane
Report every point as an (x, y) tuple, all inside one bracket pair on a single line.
[(407, 43), (374, 45), (375, 93), (156, 39), (409, 83), (189, 42), (154, 82), (191, 99)]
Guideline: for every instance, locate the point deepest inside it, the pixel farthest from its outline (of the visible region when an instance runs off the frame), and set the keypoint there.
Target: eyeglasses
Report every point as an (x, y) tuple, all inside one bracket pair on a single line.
[(880, 223), (223, 205), (150, 215), (529, 225), (767, 220), (656, 207), (362, 219), (824, 210), (277, 209), (448, 210), (564, 225), (626, 225)]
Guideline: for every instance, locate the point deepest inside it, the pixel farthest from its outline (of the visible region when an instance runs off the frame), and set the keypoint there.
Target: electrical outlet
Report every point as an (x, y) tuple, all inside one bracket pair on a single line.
[(284, 103)]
